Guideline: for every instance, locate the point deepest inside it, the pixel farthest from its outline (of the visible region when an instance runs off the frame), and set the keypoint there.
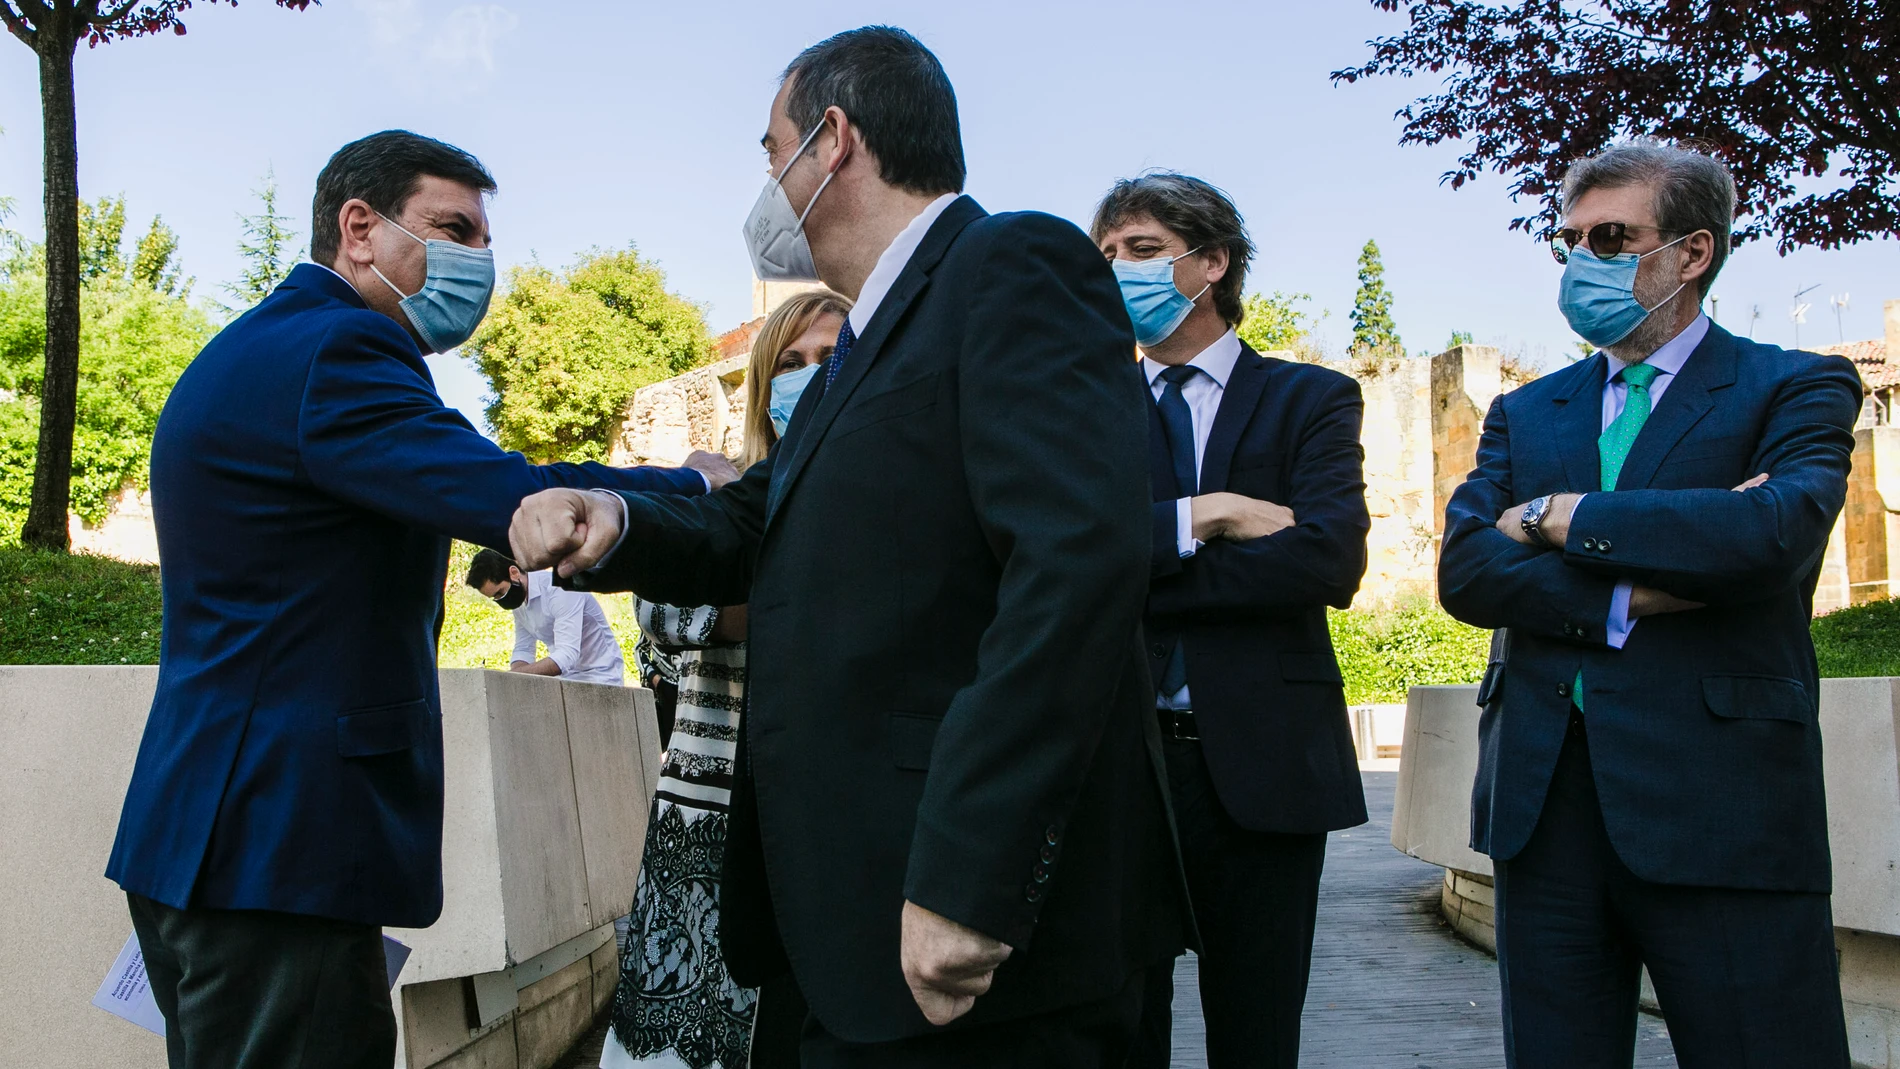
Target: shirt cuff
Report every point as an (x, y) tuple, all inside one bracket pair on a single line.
[(1617, 629), (703, 477), (621, 504), (1184, 541)]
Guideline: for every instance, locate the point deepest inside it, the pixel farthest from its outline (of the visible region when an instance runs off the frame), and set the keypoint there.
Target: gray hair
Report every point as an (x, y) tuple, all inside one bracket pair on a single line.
[(1694, 190)]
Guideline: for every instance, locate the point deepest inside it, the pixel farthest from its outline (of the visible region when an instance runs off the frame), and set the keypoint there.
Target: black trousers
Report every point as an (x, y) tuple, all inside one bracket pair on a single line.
[(1094, 1035), (1255, 897), (1744, 978), (249, 989)]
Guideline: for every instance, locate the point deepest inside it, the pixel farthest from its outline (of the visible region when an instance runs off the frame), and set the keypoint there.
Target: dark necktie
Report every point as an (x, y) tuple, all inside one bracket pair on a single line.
[(846, 339), (1177, 424)]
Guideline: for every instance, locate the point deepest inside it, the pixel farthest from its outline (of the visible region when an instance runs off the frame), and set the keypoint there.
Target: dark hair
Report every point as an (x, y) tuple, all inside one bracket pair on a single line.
[(383, 170), (488, 567), (893, 90), (1198, 213), (1694, 190)]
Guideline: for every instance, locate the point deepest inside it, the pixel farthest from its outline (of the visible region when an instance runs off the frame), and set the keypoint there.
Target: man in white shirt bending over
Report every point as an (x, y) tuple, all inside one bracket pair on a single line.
[(581, 644)]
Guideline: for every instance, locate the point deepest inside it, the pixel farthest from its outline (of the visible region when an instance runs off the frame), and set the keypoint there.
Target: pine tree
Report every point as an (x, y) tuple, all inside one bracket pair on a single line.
[(265, 247), (155, 265), (1372, 327)]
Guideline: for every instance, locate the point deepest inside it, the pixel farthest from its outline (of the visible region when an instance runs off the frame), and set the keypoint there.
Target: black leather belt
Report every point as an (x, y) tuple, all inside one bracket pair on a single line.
[(1178, 724)]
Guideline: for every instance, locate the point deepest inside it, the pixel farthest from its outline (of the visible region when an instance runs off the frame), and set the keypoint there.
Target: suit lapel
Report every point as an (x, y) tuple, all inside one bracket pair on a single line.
[(910, 282), (1244, 386), (1683, 405), (1578, 423)]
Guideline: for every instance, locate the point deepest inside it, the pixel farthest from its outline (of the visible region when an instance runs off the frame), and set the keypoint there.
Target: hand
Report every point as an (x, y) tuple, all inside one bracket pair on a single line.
[(714, 466), (1753, 483), (1648, 601), (946, 964), (1555, 526), (1236, 517), (569, 530)]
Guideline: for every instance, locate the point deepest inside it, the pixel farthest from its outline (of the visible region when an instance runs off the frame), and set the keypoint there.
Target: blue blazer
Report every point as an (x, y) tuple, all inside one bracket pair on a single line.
[(306, 480), (1702, 729), (1268, 699)]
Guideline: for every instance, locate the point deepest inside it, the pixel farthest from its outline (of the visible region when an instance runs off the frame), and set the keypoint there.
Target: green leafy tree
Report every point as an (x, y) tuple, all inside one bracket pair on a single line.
[(1459, 337), (1275, 321), (563, 352), (1372, 327), (266, 247), (136, 337)]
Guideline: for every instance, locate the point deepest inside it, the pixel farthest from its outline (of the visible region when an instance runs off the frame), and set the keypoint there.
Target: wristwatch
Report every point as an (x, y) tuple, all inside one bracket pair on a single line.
[(1533, 519)]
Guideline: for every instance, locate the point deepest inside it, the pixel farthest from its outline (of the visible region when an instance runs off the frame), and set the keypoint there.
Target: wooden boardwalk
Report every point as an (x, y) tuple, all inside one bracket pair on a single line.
[(1391, 984)]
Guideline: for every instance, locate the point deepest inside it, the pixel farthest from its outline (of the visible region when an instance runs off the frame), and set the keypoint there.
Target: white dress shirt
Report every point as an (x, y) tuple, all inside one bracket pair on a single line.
[(1667, 361), (573, 628), (892, 262), (1202, 393)]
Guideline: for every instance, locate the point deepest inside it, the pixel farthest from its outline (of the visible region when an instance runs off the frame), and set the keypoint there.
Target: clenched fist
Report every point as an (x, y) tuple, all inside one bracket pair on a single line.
[(568, 530), (946, 964)]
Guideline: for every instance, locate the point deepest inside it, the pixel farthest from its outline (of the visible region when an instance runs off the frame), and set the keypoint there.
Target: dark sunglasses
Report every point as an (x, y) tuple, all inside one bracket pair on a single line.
[(1605, 239)]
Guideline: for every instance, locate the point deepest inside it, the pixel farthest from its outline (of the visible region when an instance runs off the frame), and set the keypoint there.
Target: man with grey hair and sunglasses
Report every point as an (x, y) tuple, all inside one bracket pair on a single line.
[(1646, 528)]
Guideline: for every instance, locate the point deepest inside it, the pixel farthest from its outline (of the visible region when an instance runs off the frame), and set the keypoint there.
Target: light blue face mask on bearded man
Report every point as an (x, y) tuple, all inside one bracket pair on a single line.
[(1598, 294), (454, 294)]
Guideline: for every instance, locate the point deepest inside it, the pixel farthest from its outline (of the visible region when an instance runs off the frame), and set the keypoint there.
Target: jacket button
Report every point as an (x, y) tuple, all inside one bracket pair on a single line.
[(1048, 855), (1569, 630), (1033, 892), (1157, 649), (1603, 546), (1040, 873), (1589, 543), (1052, 835), (1563, 690)]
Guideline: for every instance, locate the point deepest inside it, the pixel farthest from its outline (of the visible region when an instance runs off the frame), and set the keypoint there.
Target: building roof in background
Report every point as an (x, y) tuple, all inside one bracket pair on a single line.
[(1871, 358), (738, 341)]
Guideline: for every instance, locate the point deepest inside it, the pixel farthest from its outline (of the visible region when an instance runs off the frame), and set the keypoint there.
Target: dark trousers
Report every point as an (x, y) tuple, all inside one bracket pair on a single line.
[(1744, 978), (1094, 1035), (1255, 897), (249, 989)]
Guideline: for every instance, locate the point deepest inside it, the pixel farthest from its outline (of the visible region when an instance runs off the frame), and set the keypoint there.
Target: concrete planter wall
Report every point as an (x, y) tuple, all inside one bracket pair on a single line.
[(547, 791), (1860, 726)]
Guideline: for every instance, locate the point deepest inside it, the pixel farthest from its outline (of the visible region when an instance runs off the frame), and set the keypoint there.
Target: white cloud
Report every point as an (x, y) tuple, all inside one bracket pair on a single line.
[(455, 47)]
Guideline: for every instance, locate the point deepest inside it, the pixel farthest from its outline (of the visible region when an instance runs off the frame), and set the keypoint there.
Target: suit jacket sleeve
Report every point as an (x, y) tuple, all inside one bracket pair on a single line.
[(372, 431), (1488, 580), (1720, 547), (1318, 561), (1054, 441), (688, 551)]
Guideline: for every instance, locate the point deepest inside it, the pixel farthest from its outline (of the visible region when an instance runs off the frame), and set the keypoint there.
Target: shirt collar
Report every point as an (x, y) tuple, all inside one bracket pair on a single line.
[(1674, 353), (1217, 360), (539, 583), (891, 263), (333, 271)]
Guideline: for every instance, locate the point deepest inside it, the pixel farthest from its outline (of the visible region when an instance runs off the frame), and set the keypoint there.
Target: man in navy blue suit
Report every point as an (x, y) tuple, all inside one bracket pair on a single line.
[(306, 480), (1259, 523), (1649, 525)]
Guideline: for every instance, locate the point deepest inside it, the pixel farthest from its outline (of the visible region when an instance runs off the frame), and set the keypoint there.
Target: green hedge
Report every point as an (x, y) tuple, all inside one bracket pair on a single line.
[(1860, 641), (1386, 649)]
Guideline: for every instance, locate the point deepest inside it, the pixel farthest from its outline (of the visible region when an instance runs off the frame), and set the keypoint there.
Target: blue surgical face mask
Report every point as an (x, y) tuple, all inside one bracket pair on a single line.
[(787, 388), (1154, 304), (454, 294), (1598, 294)]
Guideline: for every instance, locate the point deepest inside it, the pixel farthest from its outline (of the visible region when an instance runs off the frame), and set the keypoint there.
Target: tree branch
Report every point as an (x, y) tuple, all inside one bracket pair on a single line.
[(16, 25)]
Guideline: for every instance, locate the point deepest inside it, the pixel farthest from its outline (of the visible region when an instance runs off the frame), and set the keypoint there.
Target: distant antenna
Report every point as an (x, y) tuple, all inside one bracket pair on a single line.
[(1754, 313), (1840, 305), (1798, 312), (1715, 309)]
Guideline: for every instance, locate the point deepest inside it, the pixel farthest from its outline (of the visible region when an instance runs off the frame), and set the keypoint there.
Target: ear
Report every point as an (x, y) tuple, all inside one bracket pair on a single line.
[(356, 220), (1698, 255), (844, 139), (1216, 260)]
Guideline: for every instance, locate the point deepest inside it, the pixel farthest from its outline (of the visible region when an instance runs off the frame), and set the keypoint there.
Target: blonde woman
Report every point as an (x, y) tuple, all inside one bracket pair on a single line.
[(676, 1008)]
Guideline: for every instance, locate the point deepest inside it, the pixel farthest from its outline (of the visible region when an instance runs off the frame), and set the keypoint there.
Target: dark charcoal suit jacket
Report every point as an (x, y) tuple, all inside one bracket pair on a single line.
[(1702, 729), (305, 481), (1267, 694), (948, 700)]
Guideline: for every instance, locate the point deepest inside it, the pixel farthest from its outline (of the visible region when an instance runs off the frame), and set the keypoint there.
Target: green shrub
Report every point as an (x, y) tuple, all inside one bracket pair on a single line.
[(1386, 649), (1863, 640), (59, 608)]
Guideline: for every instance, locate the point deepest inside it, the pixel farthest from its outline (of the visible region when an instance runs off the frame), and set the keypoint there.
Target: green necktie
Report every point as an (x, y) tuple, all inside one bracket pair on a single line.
[(1613, 446)]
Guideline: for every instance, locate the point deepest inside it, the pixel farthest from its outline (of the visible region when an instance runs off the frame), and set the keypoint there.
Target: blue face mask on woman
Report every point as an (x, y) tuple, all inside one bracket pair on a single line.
[(1154, 304), (787, 388), (1598, 294), (454, 294)]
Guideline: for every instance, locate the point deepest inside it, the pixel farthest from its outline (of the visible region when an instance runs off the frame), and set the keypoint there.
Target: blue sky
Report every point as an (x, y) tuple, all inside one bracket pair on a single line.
[(613, 122)]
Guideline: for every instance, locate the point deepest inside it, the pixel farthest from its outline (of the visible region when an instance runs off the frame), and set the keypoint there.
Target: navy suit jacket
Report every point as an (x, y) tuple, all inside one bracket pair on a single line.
[(1268, 699), (306, 479), (1702, 729)]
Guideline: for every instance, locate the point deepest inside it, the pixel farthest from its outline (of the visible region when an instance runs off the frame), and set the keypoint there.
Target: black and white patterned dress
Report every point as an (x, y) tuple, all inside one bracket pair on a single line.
[(675, 1007)]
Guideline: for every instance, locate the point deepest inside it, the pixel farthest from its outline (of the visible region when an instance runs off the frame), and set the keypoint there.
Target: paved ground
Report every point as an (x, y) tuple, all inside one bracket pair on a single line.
[(1391, 986)]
